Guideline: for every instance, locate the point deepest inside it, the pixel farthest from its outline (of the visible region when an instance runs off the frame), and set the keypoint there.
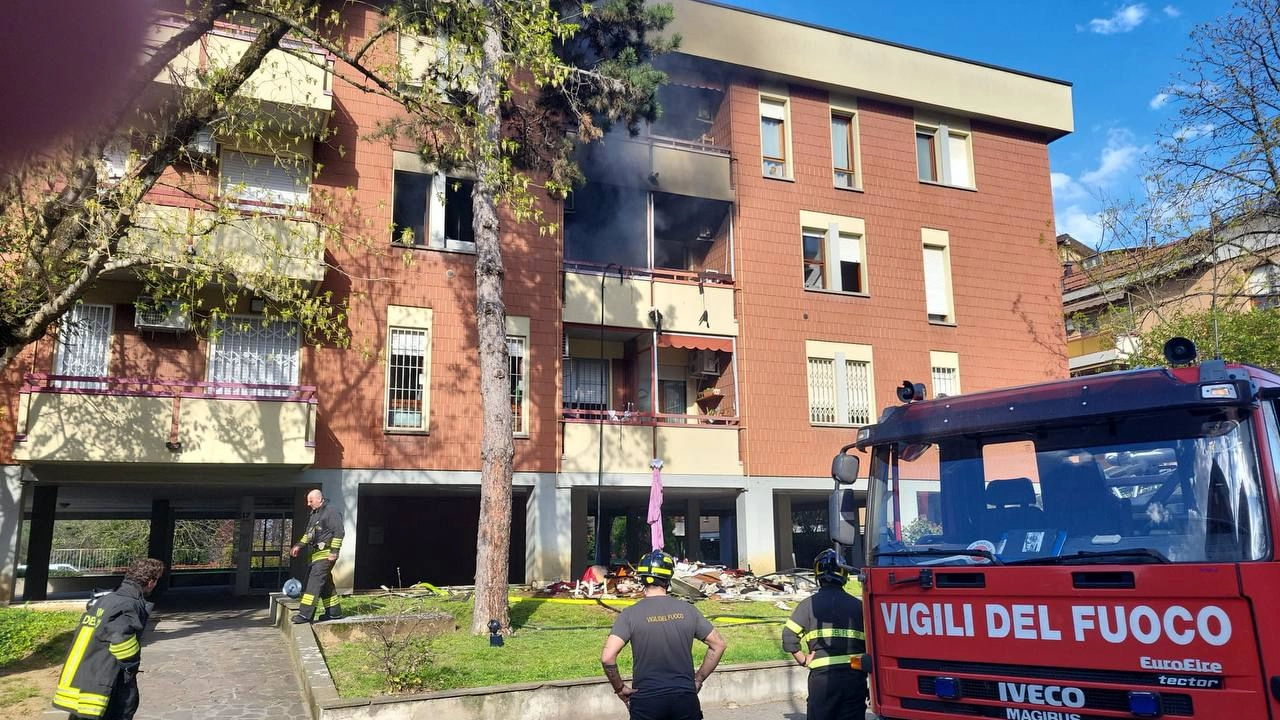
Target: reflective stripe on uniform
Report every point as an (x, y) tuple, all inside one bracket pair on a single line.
[(125, 649), (308, 599), (335, 543), (829, 660), (76, 655), (332, 602), (80, 703), (652, 570), (795, 627), (828, 633), (319, 555)]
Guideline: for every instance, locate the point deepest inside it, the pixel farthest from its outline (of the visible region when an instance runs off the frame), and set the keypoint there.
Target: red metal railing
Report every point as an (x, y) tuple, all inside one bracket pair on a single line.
[(620, 417)]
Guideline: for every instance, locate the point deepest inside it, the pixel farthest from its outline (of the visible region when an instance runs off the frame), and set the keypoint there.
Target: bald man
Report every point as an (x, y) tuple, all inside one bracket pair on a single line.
[(322, 540)]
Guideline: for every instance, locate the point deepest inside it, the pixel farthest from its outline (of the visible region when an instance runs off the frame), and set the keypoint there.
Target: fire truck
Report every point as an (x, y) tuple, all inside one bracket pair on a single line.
[(1098, 547)]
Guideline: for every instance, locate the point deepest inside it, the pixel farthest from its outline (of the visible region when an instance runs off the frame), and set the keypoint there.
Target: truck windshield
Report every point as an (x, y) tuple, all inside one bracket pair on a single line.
[(1178, 487)]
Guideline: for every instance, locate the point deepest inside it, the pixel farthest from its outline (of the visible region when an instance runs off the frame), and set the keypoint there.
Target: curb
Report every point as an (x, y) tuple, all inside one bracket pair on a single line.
[(741, 684)]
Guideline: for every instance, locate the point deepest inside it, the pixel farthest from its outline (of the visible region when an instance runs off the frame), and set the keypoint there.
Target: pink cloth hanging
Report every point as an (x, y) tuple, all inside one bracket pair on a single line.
[(654, 517)]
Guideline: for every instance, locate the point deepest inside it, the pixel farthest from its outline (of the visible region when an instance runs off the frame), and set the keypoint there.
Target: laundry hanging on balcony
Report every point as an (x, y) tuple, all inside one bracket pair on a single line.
[(654, 518)]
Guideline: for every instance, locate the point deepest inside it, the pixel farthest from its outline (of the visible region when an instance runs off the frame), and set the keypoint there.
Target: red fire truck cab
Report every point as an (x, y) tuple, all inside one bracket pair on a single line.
[(1099, 547)]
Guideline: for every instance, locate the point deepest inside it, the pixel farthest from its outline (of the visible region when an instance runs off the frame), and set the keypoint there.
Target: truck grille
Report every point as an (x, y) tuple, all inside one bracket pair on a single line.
[(1058, 674), (1094, 698)]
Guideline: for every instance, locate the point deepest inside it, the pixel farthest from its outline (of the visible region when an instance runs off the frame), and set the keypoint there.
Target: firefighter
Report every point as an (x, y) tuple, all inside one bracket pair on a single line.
[(823, 634), (323, 539), (99, 678), (661, 630)]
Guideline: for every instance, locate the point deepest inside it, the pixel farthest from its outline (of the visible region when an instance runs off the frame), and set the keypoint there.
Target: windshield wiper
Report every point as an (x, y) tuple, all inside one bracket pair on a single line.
[(1087, 556), (920, 552)]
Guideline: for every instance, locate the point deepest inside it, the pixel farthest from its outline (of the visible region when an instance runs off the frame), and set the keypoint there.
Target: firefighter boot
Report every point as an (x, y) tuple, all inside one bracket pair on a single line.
[(333, 612)]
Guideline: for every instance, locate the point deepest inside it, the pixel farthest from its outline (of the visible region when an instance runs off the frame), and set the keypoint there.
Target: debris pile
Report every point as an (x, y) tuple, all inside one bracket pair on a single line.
[(692, 581)]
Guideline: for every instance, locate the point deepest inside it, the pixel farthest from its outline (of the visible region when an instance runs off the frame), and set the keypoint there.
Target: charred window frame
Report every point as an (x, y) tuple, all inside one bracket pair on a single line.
[(432, 210)]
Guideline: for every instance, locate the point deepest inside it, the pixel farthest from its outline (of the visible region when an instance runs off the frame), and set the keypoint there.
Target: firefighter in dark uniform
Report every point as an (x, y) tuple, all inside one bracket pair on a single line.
[(99, 678), (323, 540), (823, 634)]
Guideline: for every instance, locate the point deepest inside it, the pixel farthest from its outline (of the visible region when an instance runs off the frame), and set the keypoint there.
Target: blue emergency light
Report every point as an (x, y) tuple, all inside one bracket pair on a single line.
[(947, 688), (1145, 704)]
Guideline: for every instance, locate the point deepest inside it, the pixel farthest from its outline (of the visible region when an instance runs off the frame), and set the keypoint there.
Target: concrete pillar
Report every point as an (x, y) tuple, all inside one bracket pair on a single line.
[(298, 565), (784, 532), (548, 531), (44, 506), (693, 528), (579, 559), (755, 528), (344, 493), (160, 541), (245, 521), (11, 498)]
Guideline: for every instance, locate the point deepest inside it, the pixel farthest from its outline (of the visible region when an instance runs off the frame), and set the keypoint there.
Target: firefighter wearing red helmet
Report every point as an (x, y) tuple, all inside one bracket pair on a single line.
[(661, 630), (824, 633)]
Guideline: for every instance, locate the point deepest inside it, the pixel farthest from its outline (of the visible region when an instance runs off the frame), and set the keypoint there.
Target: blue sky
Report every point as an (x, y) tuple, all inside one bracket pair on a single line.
[(1117, 55)]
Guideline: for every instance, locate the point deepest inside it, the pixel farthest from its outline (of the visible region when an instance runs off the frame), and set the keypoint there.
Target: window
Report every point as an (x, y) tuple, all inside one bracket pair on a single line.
[(518, 372), (84, 345), (843, 153), (937, 276), (408, 387), (585, 383), (1264, 286), (265, 183), (773, 137), (942, 155), (431, 209), (840, 383), (833, 258), (672, 395), (438, 63), (247, 351), (946, 373)]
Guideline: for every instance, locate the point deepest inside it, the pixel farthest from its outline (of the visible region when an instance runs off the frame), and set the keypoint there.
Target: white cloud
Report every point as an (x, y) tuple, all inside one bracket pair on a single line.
[(1065, 188), (1160, 100), (1118, 157), (1172, 11), (1191, 132), (1079, 224), (1125, 19)]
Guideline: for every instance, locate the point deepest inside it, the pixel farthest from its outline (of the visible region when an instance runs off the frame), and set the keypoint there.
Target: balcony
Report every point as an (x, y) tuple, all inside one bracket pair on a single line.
[(687, 444), (248, 243), (689, 302), (295, 93), (105, 420)]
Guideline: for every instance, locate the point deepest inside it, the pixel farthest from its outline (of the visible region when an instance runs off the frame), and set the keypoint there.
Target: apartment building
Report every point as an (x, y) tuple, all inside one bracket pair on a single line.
[(734, 292)]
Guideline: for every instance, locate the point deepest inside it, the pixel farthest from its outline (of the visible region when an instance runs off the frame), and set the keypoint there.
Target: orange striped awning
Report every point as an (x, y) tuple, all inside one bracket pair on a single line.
[(695, 342)]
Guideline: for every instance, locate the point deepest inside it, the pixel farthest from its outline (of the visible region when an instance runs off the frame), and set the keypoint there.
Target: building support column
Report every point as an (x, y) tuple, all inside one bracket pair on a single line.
[(44, 506), (245, 520), (548, 531), (344, 492), (160, 542), (784, 533), (579, 559), (693, 529), (298, 565), (11, 499), (754, 528)]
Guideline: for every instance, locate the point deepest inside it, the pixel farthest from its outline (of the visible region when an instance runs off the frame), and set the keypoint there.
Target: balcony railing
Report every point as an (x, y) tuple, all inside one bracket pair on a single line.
[(690, 301), (70, 418), (687, 444)]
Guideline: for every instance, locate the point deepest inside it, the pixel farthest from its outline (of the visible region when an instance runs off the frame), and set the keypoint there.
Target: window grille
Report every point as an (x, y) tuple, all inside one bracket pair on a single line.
[(248, 351), (584, 384), (944, 382), (516, 370), (858, 387), (84, 344), (822, 391), (406, 381)]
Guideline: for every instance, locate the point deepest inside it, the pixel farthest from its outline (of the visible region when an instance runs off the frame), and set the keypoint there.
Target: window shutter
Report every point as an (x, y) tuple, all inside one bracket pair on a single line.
[(262, 179), (775, 109), (958, 160), (935, 281)]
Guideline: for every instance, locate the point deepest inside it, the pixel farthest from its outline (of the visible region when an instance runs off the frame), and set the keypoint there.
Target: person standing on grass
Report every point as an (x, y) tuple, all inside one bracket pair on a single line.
[(661, 630), (100, 677)]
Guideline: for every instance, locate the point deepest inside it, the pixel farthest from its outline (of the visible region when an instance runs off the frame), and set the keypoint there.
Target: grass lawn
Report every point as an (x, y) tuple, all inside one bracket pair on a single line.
[(551, 641), (33, 644)]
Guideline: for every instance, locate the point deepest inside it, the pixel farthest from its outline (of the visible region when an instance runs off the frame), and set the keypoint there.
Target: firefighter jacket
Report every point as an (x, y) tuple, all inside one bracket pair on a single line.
[(324, 532), (105, 648), (828, 623)]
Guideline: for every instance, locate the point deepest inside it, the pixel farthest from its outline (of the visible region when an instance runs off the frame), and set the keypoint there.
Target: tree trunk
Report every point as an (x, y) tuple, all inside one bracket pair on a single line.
[(493, 542)]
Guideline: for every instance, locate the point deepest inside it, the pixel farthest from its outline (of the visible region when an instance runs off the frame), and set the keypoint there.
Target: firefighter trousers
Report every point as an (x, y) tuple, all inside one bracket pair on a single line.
[(320, 591), (837, 693)]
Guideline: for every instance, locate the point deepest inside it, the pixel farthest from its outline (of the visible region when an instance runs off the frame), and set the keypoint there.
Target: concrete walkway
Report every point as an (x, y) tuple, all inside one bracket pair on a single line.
[(215, 657)]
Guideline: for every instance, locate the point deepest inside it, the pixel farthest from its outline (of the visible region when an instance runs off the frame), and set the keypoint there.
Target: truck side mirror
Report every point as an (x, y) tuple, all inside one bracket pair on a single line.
[(842, 521), (844, 467)]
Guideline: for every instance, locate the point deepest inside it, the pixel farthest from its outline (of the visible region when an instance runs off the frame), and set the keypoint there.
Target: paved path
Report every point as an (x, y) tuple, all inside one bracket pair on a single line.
[(788, 710), (215, 658)]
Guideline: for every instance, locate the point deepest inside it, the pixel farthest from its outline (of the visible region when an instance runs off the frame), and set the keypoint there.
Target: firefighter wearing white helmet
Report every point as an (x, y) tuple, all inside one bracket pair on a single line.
[(661, 630), (824, 634)]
